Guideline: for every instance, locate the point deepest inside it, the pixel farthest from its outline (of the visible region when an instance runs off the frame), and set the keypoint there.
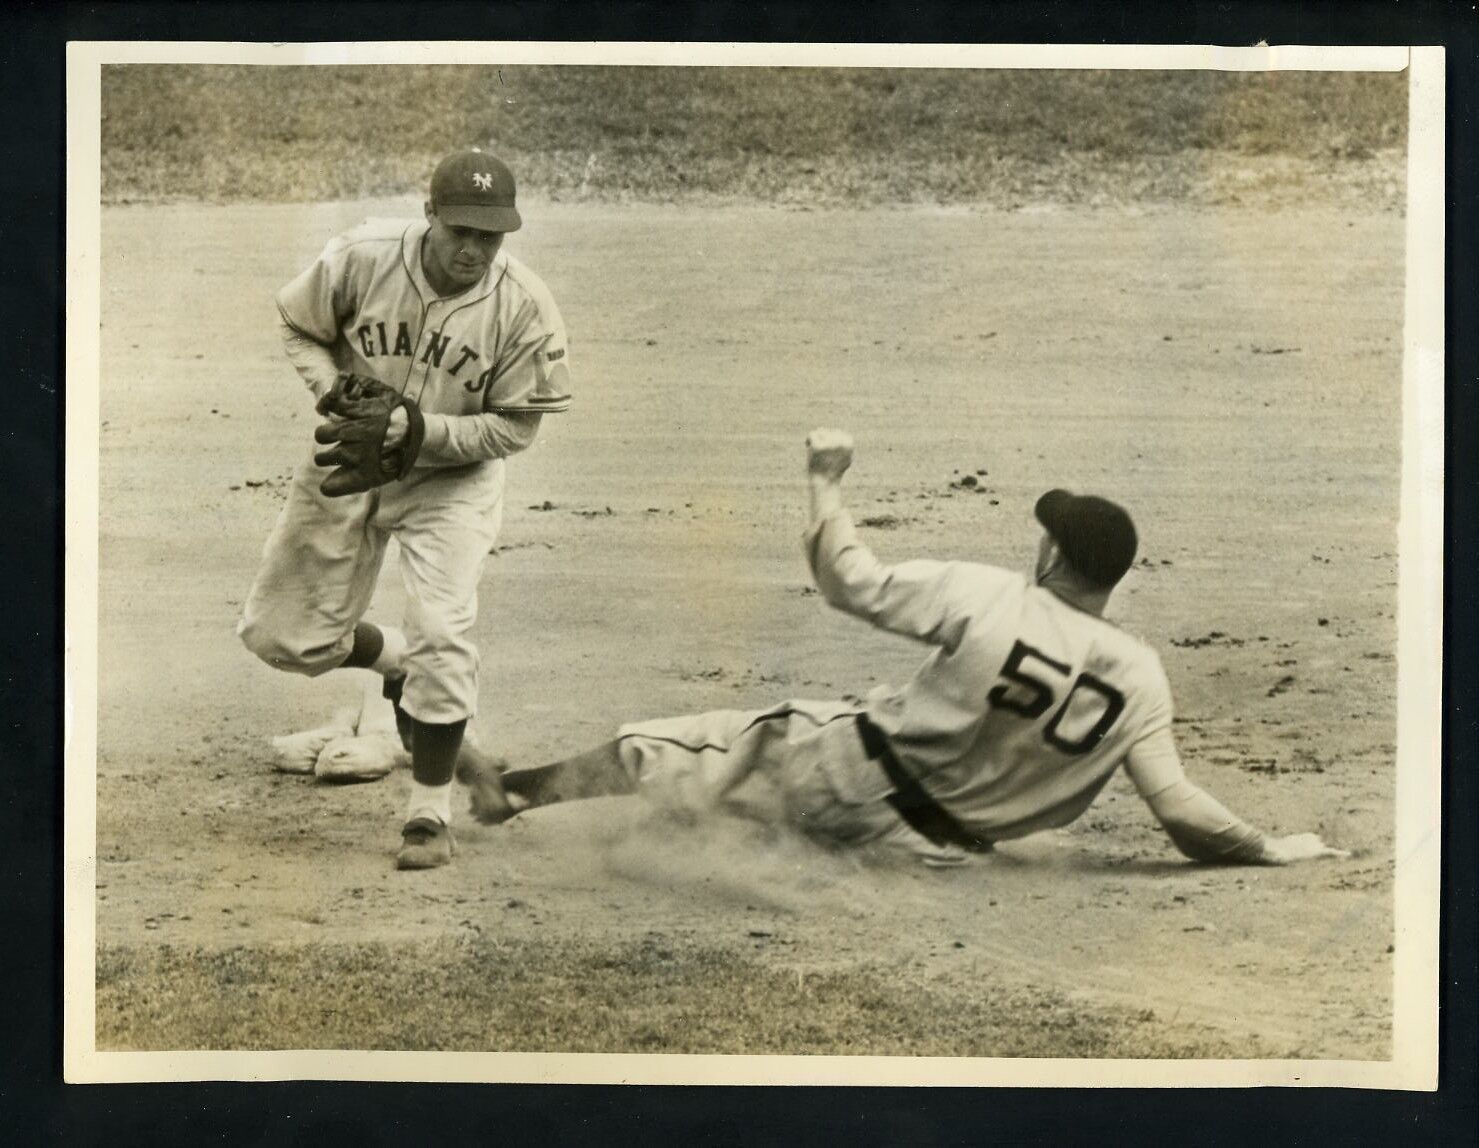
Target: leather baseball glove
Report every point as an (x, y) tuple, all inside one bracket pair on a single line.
[(358, 411)]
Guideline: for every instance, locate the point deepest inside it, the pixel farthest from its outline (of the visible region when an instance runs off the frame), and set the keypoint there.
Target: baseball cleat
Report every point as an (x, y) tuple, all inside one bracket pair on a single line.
[(367, 757), (299, 752), (425, 844), (945, 857), (482, 773)]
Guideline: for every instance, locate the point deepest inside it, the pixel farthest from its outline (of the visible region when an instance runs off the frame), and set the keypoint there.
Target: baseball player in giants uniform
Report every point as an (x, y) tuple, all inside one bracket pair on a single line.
[(436, 309), (1027, 703)]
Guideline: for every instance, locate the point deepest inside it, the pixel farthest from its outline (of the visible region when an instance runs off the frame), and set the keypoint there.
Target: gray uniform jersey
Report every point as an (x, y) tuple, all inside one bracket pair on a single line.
[(1026, 704), (495, 351)]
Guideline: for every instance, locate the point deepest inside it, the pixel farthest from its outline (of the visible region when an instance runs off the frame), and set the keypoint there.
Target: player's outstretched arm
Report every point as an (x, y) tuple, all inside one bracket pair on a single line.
[(1201, 826)]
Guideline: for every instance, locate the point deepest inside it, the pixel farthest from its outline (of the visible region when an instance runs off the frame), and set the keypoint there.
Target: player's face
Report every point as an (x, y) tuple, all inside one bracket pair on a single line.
[(460, 255)]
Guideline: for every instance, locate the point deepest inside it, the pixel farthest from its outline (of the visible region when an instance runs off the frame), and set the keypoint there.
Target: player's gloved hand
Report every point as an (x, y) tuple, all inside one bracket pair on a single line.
[(1298, 847), (828, 453), (371, 434)]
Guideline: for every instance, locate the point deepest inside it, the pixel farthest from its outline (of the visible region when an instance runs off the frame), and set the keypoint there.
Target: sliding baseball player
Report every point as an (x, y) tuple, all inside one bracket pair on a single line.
[(1027, 703)]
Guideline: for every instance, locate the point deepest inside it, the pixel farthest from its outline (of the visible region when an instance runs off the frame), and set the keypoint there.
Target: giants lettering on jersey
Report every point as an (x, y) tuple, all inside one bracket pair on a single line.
[(498, 345), (376, 342)]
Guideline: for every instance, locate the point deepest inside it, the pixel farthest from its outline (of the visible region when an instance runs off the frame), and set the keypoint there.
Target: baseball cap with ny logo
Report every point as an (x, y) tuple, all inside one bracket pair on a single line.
[(475, 189)]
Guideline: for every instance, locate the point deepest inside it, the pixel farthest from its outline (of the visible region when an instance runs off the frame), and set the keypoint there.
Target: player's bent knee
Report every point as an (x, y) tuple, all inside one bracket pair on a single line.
[(282, 652)]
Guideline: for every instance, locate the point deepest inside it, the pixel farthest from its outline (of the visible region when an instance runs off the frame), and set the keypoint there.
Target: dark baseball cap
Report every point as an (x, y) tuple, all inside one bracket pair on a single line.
[(475, 189), (1094, 534)]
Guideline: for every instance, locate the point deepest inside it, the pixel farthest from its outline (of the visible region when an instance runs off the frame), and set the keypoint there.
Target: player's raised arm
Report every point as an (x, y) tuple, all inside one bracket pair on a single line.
[(828, 457), (911, 598), (1201, 827)]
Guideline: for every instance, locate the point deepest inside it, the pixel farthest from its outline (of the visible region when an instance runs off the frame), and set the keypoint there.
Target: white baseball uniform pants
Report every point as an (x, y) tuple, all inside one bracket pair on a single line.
[(322, 559), (817, 774)]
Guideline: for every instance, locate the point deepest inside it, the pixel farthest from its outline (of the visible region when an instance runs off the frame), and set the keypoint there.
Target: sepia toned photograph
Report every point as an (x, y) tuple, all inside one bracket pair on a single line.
[(822, 567)]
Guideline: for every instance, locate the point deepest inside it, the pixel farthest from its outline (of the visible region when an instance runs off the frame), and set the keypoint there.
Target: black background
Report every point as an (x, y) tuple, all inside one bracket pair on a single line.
[(35, 1107)]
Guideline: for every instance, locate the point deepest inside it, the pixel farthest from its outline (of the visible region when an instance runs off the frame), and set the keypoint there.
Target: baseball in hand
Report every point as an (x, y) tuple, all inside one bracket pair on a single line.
[(395, 431), (828, 452)]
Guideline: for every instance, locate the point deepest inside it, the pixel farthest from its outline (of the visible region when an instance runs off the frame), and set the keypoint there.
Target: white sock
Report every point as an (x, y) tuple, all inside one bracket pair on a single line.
[(434, 801), (392, 655)]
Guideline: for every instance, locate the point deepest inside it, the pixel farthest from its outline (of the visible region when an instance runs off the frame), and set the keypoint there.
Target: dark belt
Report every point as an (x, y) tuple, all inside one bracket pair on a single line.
[(923, 813)]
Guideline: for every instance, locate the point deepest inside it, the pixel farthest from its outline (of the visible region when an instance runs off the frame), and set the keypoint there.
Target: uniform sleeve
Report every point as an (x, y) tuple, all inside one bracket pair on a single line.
[(1199, 825), (455, 440), (534, 372), (530, 380), (1157, 709), (317, 303), (912, 598), (1154, 765), (313, 361)]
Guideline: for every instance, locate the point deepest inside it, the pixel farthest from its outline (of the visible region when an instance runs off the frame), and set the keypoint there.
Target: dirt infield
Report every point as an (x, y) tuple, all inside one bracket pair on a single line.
[(1232, 375)]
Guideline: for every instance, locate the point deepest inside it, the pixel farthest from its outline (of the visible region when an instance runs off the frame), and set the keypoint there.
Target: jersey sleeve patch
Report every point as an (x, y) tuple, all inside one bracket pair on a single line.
[(536, 381), (551, 379)]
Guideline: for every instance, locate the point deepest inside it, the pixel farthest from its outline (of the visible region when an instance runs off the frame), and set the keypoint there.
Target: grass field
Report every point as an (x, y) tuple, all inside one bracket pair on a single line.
[(658, 994), (860, 136)]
